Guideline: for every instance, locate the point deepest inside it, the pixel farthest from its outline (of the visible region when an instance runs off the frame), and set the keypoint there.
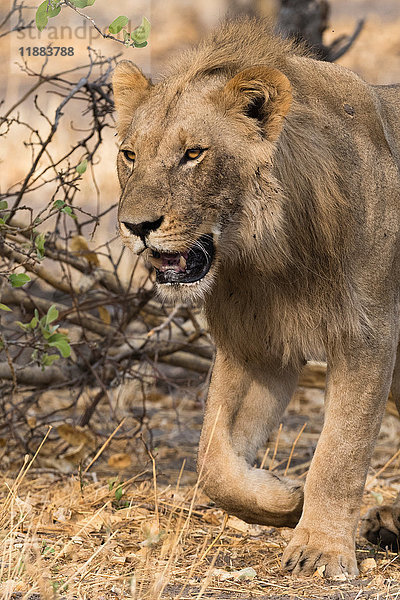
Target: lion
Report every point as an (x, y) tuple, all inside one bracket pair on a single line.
[(265, 184)]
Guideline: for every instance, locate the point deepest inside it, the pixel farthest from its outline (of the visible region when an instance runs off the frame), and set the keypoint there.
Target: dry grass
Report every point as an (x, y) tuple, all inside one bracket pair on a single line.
[(152, 535), (82, 540)]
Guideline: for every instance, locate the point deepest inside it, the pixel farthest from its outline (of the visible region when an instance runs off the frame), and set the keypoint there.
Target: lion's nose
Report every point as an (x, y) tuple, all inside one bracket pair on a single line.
[(143, 229)]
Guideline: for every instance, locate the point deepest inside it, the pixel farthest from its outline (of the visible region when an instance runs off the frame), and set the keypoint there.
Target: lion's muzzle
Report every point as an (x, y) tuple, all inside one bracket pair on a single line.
[(184, 267)]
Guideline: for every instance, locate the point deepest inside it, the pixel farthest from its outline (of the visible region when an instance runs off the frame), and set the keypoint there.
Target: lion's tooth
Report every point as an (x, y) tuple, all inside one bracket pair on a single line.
[(182, 262), (156, 262)]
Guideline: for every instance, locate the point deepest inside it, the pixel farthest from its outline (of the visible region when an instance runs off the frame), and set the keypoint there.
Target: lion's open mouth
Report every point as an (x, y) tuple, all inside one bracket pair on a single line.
[(184, 267)]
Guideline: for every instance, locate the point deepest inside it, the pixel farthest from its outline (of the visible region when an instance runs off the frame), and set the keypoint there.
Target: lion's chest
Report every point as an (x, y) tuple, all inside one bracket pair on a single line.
[(251, 320)]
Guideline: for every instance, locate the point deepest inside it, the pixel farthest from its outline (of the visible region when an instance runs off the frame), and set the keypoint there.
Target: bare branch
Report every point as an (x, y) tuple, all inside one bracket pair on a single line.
[(115, 331), (34, 375), (16, 8), (103, 35)]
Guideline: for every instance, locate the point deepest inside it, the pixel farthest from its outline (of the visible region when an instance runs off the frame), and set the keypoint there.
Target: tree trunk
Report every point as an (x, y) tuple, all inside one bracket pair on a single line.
[(305, 21)]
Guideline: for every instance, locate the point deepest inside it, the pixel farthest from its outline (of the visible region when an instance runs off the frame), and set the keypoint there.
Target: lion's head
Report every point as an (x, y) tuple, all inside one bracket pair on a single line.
[(193, 148)]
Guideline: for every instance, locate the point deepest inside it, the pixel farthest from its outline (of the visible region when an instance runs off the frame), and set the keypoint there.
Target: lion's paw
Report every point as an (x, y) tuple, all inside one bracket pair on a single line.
[(381, 526), (308, 551)]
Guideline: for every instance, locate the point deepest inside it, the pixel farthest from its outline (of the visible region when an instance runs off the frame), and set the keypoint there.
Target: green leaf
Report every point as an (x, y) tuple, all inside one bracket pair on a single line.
[(48, 359), (68, 211), (64, 208), (46, 12), (82, 3), (29, 326), (56, 337), (3, 204), (33, 323), (45, 332), (127, 38), (52, 315), (5, 218), (18, 279), (60, 341), (39, 244), (81, 168), (58, 204), (5, 307), (118, 24), (111, 483), (24, 326), (141, 33), (140, 45), (118, 493)]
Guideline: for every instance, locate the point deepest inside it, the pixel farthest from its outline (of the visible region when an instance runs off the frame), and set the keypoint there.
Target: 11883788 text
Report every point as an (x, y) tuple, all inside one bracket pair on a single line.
[(46, 51)]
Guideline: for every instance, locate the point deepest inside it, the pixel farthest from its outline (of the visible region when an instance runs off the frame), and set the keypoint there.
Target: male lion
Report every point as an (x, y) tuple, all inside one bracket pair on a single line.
[(266, 184)]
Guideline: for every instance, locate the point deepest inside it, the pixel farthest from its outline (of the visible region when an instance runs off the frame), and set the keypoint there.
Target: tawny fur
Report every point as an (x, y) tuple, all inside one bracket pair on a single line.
[(299, 184)]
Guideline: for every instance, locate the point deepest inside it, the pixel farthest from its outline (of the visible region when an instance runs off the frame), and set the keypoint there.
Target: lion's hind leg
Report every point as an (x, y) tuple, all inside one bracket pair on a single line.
[(381, 525), (242, 409), (395, 387)]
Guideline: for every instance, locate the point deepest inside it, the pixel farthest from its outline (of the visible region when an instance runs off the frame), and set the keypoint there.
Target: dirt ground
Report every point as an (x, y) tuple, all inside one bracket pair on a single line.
[(135, 525)]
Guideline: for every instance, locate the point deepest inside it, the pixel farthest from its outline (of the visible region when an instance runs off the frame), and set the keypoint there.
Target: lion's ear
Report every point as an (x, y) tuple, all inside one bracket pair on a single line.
[(130, 89), (261, 93)]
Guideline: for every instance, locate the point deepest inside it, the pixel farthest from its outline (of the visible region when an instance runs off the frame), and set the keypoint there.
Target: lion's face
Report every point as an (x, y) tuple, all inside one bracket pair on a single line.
[(185, 163), (179, 187)]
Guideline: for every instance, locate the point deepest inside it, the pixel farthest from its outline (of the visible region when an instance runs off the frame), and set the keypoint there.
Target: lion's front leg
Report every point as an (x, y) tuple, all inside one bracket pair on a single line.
[(242, 409), (357, 389)]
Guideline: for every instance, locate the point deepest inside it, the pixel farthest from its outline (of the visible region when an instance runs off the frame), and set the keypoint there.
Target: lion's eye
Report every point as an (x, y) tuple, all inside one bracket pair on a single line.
[(193, 153), (129, 155)]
